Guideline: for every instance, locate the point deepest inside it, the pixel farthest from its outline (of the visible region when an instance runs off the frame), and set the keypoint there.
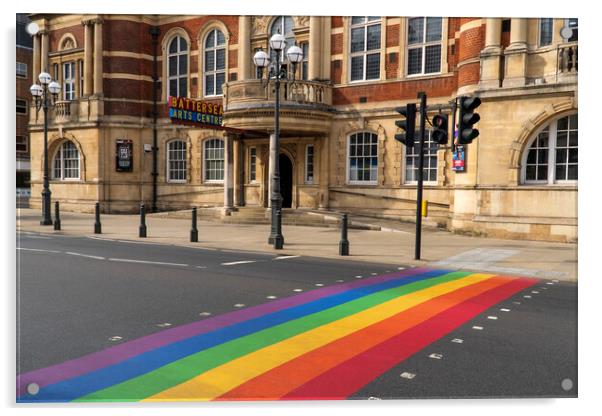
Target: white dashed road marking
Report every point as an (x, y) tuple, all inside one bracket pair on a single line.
[(286, 257), (457, 341), (164, 325), (239, 305), (492, 317), (319, 284), (407, 375), (297, 290), (271, 297), (85, 255), (204, 313), (527, 296), (505, 310), (401, 268), (232, 263), (37, 249), (436, 356), (115, 338), (148, 262), (478, 328)]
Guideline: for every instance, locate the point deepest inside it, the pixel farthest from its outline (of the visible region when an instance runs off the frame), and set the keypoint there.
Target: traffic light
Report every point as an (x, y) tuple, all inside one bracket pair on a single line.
[(466, 119), (408, 125), (439, 134)]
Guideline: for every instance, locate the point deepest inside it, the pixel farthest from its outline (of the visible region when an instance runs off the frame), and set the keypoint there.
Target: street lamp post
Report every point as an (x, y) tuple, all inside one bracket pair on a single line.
[(45, 96), (276, 73)]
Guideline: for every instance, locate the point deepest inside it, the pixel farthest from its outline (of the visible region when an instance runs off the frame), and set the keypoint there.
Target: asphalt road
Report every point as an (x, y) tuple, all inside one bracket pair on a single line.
[(79, 295)]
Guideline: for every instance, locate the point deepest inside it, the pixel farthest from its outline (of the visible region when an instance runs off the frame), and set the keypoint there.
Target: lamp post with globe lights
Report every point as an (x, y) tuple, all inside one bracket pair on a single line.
[(45, 95), (276, 73)]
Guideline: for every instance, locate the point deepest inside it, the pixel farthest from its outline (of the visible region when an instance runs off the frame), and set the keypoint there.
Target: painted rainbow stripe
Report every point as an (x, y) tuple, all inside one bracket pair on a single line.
[(323, 344)]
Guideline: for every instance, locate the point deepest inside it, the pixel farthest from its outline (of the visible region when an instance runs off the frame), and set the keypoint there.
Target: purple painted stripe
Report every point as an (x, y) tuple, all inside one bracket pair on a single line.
[(118, 353)]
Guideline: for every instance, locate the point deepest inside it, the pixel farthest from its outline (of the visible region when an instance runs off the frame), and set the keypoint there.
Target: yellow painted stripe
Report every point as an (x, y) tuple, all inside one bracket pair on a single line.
[(219, 380)]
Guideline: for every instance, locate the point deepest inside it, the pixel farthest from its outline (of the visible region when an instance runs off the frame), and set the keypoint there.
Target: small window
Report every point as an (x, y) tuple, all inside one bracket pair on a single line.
[(176, 161), (81, 76), (424, 45), (305, 62), (69, 81), (66, 162), (546, 29), (363, 158), (252, 164), (21, 106), (429, 171), (21, 70), (258, 70), (214, 160), (309, 164), (21, 144), (365, 48)]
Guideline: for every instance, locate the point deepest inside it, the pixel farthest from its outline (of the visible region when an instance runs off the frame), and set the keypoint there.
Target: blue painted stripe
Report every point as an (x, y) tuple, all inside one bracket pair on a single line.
[(85, 384)]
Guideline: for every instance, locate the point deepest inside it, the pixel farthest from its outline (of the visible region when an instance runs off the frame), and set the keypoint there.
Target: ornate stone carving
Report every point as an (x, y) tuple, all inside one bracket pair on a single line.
[(259, 25), (301, 21)]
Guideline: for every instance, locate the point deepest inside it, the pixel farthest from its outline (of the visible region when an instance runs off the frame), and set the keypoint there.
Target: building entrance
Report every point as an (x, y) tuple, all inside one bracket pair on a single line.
[(286, 181)]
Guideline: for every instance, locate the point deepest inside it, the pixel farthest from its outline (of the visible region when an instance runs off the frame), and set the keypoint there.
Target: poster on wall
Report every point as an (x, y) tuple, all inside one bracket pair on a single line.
[(123, 156), (459, 159)]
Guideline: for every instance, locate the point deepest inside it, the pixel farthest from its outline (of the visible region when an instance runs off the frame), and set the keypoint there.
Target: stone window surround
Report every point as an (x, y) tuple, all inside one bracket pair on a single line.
[(58, 147), (203, 33), (204, 163), (186, 161), (551, 181), (348, 181)]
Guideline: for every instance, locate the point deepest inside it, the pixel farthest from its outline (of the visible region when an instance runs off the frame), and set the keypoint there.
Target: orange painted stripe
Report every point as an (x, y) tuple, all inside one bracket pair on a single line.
[(280, 380)]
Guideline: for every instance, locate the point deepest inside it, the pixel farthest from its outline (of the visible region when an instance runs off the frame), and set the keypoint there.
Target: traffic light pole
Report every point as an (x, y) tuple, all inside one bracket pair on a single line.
[(418, 242)]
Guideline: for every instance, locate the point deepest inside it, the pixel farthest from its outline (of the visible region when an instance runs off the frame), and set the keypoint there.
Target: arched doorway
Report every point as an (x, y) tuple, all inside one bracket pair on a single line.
[(286, 180)]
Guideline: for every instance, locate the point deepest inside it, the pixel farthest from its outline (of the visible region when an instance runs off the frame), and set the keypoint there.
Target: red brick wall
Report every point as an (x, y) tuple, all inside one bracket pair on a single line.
[(125, 35), (468, 47), (391, 65), (403, 90), (55, 36), (336, 44), (336, 70), (392, 35), (126, 65), (336, 21)]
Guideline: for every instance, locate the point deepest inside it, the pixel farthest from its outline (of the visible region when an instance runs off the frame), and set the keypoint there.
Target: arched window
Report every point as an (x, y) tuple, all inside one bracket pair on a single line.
[(177, 67), (363, 158), (551, 157), (429, 171), (284, 26), (66, 162), (213, 160), (176, 161), (365, 48), (215, 62)]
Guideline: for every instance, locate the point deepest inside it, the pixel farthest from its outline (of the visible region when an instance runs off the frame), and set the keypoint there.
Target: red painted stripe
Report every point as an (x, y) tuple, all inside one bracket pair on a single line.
[(281, 380), (350, 376)]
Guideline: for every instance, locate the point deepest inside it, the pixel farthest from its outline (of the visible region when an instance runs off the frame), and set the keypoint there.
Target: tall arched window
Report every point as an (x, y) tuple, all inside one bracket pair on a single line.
[(176, 161), (65, 164), (215, 62), (551, 157), (177, 67), (213, 160), (284, 26), (363, 158)]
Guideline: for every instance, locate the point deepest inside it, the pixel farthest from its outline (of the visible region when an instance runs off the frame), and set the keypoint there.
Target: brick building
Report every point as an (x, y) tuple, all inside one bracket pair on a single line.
[(24, 80), (337, 119)]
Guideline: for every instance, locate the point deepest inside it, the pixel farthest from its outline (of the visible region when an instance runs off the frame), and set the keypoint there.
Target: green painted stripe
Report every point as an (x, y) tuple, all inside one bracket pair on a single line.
[(182, 370)]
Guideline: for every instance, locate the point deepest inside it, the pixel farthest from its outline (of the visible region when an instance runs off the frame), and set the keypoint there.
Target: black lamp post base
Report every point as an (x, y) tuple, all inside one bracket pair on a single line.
[(46, 221)]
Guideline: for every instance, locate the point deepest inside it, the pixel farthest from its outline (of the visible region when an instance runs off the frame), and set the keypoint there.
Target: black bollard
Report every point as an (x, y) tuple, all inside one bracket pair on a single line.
[(57, 216), (278, 242), (97, 226), (142, 229), (344, 243), (194, 233)]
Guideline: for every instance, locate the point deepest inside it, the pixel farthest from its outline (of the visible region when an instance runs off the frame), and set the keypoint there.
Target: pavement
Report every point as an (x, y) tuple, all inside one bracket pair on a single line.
[(439, 248)]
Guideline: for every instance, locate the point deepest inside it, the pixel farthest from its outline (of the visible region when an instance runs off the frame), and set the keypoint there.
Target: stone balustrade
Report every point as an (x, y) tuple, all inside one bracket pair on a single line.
[(249, 92), (567, 58)]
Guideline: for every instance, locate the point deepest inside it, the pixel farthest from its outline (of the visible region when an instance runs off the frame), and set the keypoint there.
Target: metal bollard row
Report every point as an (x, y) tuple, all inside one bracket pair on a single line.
[(344, 243)]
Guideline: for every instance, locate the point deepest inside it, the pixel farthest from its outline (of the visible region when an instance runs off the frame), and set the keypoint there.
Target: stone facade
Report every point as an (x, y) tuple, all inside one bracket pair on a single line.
[(524, 87)]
